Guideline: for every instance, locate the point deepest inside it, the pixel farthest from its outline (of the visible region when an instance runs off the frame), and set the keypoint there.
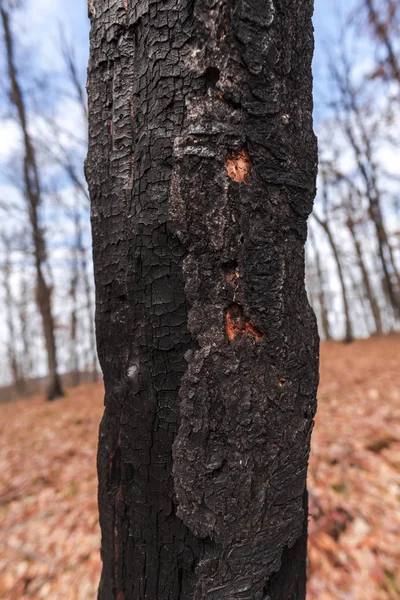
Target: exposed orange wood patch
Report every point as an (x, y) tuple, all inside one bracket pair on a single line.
[(237, 323), (238, 166)]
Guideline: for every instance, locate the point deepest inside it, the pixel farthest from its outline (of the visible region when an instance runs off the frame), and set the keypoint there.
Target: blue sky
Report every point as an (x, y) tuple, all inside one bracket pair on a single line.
[(40, 20), (38, 28), (328, 15)]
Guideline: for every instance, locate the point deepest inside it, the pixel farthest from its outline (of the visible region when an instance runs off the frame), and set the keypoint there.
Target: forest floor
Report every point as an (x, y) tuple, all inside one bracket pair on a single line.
[(49, 533)]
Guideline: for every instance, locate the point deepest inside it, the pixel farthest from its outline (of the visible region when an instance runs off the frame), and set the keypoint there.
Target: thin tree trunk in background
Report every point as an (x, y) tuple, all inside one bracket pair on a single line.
[(367, 168), (322, 300), (93, 366), (14, 360), (87, 288), (201, 170), (375, 310), (73, 293), (23, 304), (92, 362), (381, 30), (33, 197), (69, 56), (359, 304), (386, 255), (348, 336)]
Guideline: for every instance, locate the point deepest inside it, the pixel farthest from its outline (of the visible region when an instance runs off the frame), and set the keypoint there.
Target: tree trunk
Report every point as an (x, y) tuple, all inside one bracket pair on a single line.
[(382, 32), (23, 311), (367, 286), (88, 291), (386, 255), (33, 197), (322, 299), (367, 168), (348, 336), (73, 294), (201, 170), (14, 356)]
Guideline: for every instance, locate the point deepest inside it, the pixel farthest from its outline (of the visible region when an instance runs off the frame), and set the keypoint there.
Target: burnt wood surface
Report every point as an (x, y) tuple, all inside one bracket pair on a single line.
[(201, 169)]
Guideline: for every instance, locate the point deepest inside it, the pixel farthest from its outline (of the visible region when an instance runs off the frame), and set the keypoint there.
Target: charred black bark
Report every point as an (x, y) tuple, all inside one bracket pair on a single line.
[(201, 170)]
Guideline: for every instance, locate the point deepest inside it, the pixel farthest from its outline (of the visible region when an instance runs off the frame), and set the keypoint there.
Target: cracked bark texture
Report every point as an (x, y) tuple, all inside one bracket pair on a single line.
[(201, 169)]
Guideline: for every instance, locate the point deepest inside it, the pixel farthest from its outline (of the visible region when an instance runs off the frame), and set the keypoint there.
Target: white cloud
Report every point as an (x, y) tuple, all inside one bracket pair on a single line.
[(10, 138)]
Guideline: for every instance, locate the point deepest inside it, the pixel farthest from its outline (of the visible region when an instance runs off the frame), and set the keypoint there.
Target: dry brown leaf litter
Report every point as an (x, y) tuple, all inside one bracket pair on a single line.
[(49, 533)]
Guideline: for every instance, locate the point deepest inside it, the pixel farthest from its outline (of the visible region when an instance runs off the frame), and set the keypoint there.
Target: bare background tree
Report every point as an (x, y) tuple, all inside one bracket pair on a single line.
[(357, 205), (44, 227)]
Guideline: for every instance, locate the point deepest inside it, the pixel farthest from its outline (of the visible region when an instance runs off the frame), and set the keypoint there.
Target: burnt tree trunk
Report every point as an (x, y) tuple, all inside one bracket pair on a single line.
[(201, 170)]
